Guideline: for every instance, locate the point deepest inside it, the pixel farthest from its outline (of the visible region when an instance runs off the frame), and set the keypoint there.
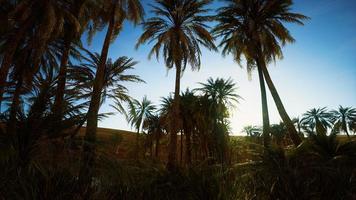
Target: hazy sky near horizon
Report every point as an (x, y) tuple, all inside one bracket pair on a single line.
[(318, 70)]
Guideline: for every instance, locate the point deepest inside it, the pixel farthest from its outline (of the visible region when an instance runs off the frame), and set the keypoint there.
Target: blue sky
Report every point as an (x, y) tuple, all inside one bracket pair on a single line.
[(318, 70)]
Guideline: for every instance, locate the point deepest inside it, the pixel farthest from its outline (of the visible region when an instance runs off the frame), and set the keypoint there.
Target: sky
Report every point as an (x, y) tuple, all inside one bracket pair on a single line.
[(318, 70)]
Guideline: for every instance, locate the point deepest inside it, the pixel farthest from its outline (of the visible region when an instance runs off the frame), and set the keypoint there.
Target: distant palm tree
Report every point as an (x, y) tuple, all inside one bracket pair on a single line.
[(178, 29), (353, 126), (253, 131), (278, 132), (138, 112), (254, 29), (223, 94), (317, 119), (189, 108), (344, 117), (153, 125), (299, 125)]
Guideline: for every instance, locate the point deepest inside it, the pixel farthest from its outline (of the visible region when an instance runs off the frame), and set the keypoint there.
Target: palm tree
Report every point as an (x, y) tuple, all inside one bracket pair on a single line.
[(278, 132), (178, 30), (222, 96), (317, 119), (254, 29), (344, 116), (113, 12), (80, 10), (189, 107), (299, 125), (138, 112), (42, 21), (114, 74), (153, 125), (222, 93), (252, 131)]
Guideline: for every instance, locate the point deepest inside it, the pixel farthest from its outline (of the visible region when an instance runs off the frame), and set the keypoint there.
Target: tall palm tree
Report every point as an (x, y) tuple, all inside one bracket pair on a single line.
[(178, 29), (81, 15), (344, 116), (115, 73), (114, 13), (138, 112), (254, 29), (317, 119)]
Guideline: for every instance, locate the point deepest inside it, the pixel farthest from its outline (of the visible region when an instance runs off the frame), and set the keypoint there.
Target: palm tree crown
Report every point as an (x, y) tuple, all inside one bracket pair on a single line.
[(250, 26), (254, 29), (139, 112), (114, 75), (317, 118), (222, 91), (344, 117), (178, 29)]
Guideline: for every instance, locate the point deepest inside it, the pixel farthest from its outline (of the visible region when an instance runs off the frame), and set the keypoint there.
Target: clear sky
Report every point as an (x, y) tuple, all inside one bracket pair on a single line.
[(318, 70)]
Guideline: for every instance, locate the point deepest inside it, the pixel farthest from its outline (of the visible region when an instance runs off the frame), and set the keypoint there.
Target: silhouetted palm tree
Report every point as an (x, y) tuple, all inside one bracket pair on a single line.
[(42, 22), (317, 119), (153, 125), (138, 112), (278, 133), (253, 131), (178, 29), (344, 117), (189, 107), (81, 11), (254, 29), (299, 125), (223, 93), (114, 13)]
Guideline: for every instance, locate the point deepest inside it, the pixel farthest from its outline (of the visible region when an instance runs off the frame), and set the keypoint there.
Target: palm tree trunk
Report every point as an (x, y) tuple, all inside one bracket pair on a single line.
[(151, 146), (157, 145), (61, 82), (282, 112), (188, 148), (68, 38), (174, 122), (11, 127), (181, 147), (137, 143), (86, 171), (265, 117), (344, 127)]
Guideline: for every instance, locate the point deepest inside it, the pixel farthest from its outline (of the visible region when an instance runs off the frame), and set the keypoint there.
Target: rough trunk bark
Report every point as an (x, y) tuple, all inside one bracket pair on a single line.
[(174, 121), (265, 117), (282, 112), (88, 156)]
